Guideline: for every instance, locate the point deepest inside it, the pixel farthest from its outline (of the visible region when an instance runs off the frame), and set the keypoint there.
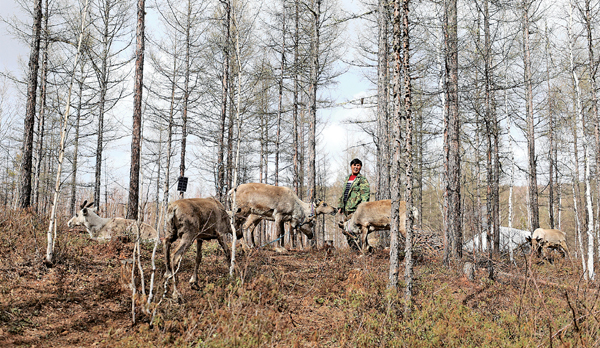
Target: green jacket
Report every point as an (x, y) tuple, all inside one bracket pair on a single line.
[(360, 191)]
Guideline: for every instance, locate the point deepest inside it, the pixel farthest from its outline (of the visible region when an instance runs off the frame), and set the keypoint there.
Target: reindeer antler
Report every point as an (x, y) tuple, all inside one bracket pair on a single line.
[(83, 204)]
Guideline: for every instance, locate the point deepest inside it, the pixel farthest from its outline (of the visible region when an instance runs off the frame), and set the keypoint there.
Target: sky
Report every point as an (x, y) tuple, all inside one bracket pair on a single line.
[(335, 137), (12, 50)]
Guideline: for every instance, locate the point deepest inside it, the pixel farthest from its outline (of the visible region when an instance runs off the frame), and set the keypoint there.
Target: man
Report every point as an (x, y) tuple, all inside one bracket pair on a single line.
[(356, 191)]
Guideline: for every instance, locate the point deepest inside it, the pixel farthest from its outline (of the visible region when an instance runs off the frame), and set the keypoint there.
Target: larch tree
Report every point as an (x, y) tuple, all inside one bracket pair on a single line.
[(534, 215), (226, 48), (396, 151), (282, 69), (79, 114), (551, 130), (109, 21), (587, 15), (29, 122), (296, 183), (136, 139), (452, 169), (42, 112), (315, 11), (383, 136), (408, 194), (586, 155)]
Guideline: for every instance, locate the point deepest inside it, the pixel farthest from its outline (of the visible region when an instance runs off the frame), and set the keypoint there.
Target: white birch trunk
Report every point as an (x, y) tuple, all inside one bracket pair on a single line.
[(51, 235), (237, 154), (578, 227), (586, 155), (512, 166)]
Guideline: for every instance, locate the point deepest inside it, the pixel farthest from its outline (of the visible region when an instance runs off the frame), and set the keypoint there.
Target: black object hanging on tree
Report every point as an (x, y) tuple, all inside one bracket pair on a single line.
[(182, 184)]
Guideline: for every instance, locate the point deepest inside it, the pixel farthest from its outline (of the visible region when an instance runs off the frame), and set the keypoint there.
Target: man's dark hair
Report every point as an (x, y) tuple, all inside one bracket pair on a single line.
[(355, 161)]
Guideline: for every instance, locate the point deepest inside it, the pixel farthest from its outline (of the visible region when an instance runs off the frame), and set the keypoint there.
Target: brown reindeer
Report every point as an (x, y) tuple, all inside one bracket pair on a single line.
[(257, 201), (370, 217), (192, 219)]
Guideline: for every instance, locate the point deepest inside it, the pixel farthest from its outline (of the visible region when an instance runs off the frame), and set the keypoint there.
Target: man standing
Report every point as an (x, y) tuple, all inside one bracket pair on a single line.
[(356, 191)]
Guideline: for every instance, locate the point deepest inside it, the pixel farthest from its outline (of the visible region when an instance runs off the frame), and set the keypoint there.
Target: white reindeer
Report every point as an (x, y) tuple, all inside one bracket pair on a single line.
[(106, 228)]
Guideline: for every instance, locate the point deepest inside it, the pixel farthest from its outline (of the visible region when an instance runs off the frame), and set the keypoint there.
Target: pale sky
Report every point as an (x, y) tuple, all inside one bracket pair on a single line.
[(335, 137), (11, 48)]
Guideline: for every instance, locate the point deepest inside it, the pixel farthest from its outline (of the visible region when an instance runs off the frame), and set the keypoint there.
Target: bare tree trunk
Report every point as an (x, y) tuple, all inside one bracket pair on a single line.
[(579, 133), (551, 164), (169, 141), (42, 116), (512, 159), (396, 154), (100, 142), (29, 122), (579, 236), (237, 154), (295, 180), (534, 217), (419, 163), (491, 134), (586, 156), (312, 102), (103, 80), (74, 166), (280, 105), (408, 249), (452, 195), (158, 173), (295, 121), (263, 151), (592, 66), (230, 126), (51, 234), (224, 96), (383, 136), (186, 94), (136, 139)]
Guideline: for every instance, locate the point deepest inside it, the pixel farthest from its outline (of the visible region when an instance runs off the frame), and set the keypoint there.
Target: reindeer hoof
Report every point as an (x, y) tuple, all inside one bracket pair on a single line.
[(177, 297), (280, 250)]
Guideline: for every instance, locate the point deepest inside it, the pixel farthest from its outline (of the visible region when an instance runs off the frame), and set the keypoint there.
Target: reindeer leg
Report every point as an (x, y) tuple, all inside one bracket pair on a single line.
[(250, 226), (194, 278), (186, 241), (280, 232), (225, 247), (365, 248)]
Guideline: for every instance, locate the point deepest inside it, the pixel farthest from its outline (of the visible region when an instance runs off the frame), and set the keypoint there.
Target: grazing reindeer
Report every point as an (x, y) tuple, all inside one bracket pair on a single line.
[(192, 219), (106, 228), (370, 217), (257, 201), (543, 239)]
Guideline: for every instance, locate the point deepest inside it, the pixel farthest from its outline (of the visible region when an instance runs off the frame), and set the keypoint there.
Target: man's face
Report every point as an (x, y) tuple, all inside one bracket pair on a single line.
[(356, 168)]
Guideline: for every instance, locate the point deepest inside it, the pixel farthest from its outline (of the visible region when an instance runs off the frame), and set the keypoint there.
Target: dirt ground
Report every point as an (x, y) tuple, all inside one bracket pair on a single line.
[(303, 298)]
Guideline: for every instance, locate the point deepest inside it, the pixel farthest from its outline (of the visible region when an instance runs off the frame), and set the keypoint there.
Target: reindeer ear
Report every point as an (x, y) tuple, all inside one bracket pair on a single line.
[(84, 211)]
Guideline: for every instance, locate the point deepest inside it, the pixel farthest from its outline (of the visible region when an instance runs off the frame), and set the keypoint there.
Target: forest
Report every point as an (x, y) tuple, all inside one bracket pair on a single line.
[(482, 116)]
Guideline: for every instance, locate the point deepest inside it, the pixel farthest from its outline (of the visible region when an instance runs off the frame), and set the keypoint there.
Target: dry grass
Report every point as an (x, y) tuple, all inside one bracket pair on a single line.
[(300, 299)]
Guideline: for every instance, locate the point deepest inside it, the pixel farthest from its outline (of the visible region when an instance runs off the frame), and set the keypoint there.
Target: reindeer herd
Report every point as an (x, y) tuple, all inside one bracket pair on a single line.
[(202, 219)]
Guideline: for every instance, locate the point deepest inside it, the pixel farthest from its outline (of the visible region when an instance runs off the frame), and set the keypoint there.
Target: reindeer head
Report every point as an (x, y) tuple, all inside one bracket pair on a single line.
[(81, 215), (321, 207)]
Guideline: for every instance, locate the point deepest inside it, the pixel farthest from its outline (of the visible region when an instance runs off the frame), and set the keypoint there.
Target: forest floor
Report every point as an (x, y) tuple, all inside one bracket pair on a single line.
[(303, 298)]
